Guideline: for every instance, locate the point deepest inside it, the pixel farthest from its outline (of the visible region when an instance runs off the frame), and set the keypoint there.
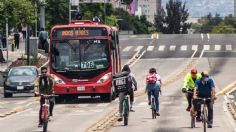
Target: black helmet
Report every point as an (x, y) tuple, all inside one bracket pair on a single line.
[(126, 68), (152, 70)]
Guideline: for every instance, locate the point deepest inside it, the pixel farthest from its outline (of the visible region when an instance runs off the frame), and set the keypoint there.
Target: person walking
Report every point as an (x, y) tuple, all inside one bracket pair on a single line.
[(17, 39)]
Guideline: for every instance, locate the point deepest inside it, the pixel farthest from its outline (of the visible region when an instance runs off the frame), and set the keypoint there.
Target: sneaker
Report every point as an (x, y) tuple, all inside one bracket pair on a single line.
[(188, 108), (209, 126), (131, 109), (198, 119), (120, 119), (158, 114), (50, 118), (40, 125)]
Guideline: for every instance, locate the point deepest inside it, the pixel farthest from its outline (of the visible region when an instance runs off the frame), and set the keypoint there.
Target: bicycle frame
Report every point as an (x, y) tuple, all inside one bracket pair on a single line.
[(45, 108), (204, 112)]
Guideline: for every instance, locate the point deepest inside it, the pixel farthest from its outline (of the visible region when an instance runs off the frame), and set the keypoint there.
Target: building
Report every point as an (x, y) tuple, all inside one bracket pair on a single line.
[(148, 8)]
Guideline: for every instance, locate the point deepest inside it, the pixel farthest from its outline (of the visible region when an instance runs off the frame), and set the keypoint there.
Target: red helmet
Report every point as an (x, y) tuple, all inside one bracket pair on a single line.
[(194, 70)]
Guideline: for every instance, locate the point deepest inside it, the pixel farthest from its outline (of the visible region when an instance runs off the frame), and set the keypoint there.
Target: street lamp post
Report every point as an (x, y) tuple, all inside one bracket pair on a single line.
[(42, 14)]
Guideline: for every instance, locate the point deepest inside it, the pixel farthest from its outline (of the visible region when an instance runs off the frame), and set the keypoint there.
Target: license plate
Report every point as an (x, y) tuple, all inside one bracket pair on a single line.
[(20, 87), (81, 88)]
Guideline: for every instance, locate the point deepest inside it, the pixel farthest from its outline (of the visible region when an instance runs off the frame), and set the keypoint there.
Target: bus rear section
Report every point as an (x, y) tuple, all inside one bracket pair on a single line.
[(83, 59)]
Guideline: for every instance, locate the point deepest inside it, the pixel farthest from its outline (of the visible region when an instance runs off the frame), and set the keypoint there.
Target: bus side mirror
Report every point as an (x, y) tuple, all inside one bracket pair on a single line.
[(113, 47)]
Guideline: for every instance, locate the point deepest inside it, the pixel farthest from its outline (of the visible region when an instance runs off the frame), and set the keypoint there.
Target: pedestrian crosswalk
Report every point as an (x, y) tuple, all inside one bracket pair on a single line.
[(207, 47)]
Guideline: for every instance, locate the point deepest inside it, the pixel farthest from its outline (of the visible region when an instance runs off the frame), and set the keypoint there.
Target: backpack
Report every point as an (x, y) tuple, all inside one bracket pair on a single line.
[(122, 83), (151, 78)]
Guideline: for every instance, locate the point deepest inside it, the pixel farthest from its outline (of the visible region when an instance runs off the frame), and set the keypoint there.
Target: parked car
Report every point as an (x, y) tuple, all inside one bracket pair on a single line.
[(20, 80)]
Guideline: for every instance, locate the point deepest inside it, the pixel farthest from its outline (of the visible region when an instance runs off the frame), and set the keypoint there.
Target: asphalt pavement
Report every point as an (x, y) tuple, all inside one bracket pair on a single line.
[(80, 114)]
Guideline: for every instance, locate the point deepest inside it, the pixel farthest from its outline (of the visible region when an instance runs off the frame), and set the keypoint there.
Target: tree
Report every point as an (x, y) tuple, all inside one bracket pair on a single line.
[(208, 22), (18, 12), (173, 20), (223, 28)]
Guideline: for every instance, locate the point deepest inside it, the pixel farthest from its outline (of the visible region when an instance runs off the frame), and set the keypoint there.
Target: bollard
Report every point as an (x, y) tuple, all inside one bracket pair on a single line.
[(12, 47)]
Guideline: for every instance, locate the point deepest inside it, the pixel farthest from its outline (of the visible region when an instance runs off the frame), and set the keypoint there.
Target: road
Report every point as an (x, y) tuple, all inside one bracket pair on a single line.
[(78, 115)]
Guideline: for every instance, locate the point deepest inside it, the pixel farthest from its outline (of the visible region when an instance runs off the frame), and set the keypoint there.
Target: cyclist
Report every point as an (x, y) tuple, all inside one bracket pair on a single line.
[(204, 88), (189, 82), (153, 85), (131, 88), (44, 85)]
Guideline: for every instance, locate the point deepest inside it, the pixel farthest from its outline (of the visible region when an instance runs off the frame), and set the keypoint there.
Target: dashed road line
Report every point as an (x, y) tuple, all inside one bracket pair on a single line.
[(126, 49), (172, 47), (161, 48), (217, 47), (150, 48), (228, 47), (138, 48), (183, 47), (206, 47), (194, 47)]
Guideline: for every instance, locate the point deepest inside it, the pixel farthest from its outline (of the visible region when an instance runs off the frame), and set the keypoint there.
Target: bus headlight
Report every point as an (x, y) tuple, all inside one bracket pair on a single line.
[(58, 80), (104, 78)]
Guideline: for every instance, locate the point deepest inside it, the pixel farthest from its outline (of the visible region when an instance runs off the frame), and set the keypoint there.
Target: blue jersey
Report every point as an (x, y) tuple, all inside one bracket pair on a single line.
[(204, 90)]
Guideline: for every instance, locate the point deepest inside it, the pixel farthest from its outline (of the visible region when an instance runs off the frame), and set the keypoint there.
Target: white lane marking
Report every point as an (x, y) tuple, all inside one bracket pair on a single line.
[(157, 36), (21, 102), (184, 102), (217, 47), (201, 54), (3, 102), (166, 103), (97, 110), (194, 53), (150, 48), (202, 36), (208, 36), (228, 47), (152, 36), (161, 48), (80, 111), (194, 47), (206, 47), (27, 105), (172, 47), (83, 105), (138, 48), (126, 49), (183, 47), (133, 36), (102, 105), (143, 104)]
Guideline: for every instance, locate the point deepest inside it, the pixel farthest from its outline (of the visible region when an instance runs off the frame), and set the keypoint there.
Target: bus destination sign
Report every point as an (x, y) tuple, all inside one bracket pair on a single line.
[(78, 32)]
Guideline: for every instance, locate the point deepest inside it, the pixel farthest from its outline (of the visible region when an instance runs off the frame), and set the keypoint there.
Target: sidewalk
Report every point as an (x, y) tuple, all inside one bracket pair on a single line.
[(12, 55)]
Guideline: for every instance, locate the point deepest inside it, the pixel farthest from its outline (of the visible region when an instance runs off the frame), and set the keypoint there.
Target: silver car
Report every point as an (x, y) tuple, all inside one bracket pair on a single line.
[(20, 80)]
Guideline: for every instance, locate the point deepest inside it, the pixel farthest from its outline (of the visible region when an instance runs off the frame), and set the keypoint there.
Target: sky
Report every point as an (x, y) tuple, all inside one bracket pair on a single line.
[(198, 8)]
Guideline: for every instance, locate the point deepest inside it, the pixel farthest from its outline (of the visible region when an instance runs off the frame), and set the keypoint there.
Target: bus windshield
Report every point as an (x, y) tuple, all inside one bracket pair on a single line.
[(80, 55)]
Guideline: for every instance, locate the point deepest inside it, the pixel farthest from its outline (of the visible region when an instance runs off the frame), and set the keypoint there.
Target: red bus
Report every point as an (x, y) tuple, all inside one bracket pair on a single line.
[(83, 57)]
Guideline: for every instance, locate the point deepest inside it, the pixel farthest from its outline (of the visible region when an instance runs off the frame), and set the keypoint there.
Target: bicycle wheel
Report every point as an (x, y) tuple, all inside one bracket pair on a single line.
[(126, 111), (192, 121), (153, 109), (204, 118), (45, 121)]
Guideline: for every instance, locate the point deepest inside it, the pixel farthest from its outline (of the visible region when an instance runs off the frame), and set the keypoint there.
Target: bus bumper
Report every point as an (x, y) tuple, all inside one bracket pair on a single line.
[(83, 89)]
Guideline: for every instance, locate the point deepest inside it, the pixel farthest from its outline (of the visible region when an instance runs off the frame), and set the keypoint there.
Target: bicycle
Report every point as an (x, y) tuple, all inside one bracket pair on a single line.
[(126, 110), (45, 111), (191, 113), (153, 106), (204, 111), (193, 119)]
